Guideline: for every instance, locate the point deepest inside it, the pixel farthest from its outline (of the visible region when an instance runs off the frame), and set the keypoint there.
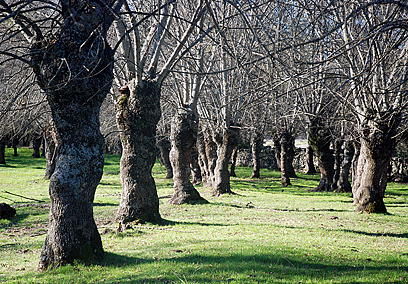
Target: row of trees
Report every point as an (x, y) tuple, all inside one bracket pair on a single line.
[(336, 69)]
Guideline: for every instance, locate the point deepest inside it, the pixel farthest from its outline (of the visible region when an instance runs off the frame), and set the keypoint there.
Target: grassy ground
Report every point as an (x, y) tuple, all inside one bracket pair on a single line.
[(263, 234)]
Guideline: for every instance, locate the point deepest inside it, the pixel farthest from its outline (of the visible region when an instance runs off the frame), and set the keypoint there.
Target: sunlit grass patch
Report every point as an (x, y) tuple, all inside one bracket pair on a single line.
[(262, 234)]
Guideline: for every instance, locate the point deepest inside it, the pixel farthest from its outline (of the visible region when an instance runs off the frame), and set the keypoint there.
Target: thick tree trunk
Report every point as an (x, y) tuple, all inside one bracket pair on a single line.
[(256, 153), (202, 159), (337, 162), (211, 154), (343, 184), (72, 232), (164, 146), (226, 144), (354, 165), (36, 146), (195, 167), (14, 145), (73, 67), (233, 162), (2, 152), (137, 115), (291, 157), (377, 146), (285, 160), (184, 130), (319, 138), (310, 168)]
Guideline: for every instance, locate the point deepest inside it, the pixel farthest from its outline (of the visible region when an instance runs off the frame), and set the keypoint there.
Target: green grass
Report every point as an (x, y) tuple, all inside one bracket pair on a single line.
[(263, 234)]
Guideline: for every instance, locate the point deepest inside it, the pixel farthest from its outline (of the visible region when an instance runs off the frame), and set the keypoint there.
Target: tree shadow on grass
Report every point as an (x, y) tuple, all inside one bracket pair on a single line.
[(238, 268), (394, 235)]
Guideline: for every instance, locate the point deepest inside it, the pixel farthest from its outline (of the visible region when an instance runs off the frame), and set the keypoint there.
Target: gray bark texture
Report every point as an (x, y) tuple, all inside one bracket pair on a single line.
[(183, 138), (164, 146), (310, 168), (202, 159), (137, 114), (343, 184), (36, 146), (211, 157), (377, 146), (337, 162), (285, 145), (234, 162), (73, 66), (50, 152), (257, 141), (319, 138), (226, 142), (195, 167)]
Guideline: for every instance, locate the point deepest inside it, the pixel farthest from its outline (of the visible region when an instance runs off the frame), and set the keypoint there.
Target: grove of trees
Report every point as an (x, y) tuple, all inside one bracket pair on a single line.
[(201, 74)]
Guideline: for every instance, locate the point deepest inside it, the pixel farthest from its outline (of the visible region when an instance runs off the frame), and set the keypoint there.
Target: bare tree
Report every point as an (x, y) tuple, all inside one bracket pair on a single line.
[(72, 62), (150, 50)]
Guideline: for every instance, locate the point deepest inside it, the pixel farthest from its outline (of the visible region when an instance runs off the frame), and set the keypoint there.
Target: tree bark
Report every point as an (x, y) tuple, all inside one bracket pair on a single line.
[(291, 156), (195, 167), (233, 162), (211, 154), (354, 165), (256, 153), (227, 141), (184, 130), (377, 146), (14, 145), (137, 114), (285, 160), (73, 67), (337, 162), (164, 146), (36, 146), (343, 184), (202, 159), (310, 168), (50, 152), (319, 139)]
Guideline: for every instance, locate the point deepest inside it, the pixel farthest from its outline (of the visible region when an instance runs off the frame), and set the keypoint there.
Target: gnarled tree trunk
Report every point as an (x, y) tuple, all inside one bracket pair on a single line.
[(184, 130), (202, 159), (233, 162), (14, 144), (291, 156), (137, 114), (377, 146), (73, 67), (211, 154), (285, 144), (195, 167), (227, 141), (256, 153), (36, 146), (310, 168), (319, 139), (343, 184), (164, 146)]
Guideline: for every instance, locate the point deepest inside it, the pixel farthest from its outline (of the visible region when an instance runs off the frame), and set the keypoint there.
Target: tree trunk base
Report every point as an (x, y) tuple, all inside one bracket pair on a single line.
[(372, 207), (191, 197)]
